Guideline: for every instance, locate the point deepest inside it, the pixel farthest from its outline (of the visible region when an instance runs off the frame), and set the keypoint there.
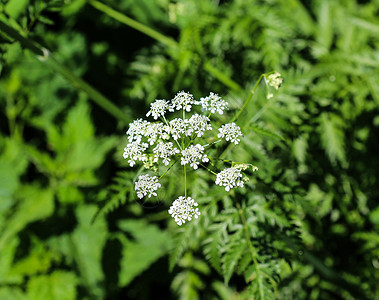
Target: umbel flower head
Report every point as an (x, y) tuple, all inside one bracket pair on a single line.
[(229, 178), (147, 185), (184, 137), (184, 209), (231, 132)]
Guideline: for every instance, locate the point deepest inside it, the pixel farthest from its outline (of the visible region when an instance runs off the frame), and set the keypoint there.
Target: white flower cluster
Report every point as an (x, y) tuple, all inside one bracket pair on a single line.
[(164, 151), (134, 151), (198, 124), (213, 103), (182, 100), (229, 178), (193, 155), (147, 185), (230, 132), (170, 139), (184, 209), (158, 109), (275, 80)]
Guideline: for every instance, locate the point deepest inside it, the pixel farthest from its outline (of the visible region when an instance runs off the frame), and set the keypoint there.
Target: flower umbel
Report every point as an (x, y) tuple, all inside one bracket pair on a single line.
[(169, 140), (229, 178), (230, 132), (147, 185), (136, 130), (164, 151), (134, 151), (193, 155), (158, 109), (184, 209), (182, 100), (198, 124), (213, 103)]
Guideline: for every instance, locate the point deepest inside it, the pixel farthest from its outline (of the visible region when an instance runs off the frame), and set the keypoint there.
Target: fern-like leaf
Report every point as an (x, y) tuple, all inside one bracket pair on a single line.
[(233, 254), (332, 137)]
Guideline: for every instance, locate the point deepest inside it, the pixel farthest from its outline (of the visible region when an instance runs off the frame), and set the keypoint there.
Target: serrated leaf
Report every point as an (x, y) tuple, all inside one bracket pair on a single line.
[(88, 242), (232, 256), (258, 129), (332, 137), (35, 204), (58, 285), (148, 245)]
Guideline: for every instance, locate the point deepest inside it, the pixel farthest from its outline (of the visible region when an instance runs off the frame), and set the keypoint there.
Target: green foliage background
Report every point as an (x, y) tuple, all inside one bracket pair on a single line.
[(306, 225)]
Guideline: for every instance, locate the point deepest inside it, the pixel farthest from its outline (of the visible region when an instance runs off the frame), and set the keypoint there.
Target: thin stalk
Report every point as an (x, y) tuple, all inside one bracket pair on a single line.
[(208, 67), (211, 144), (251, 247), (134, 24), (45, 56), (168, 169), (221, 76), (185, 181), (209, 170), (248, 98)]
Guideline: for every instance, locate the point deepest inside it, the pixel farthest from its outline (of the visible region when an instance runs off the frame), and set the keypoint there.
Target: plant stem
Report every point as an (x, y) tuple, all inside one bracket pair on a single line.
[(185, 181), (162, 39), (45, 56), (209, 170), (221, 76), (134, 24), (247, 236), (248, 98), (168, 169)]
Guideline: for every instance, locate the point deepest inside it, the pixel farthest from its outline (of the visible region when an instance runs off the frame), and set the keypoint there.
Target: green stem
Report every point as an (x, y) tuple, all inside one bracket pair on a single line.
[(168, 169), (46, 57), (251, 247), (209, 170), (221, 77), (185, 181), (248, 98), (134, 24), (162, 39)]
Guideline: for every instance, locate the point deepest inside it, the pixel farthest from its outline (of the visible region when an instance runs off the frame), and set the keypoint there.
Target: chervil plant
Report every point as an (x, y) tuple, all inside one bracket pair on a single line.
[(183, 131)]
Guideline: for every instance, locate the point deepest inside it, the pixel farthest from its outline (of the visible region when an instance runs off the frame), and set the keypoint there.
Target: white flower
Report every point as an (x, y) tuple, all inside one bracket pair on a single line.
[(164, 151), (137, 130), (193, 155), (182, 100), (147, 185), (134, 151), (229, 178), (183, 209), (177, 127), (269, 96), (230, 131), (158, 109), (198, 124), (156, 131), (213, 103), (275, 80)]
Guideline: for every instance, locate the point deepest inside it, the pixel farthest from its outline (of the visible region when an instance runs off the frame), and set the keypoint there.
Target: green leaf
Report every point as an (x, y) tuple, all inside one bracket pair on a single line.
[(35, 204), (12, 293), (148, 245), (332, 137), (234, 252), (260, 130), (58, 285), (88, 242)]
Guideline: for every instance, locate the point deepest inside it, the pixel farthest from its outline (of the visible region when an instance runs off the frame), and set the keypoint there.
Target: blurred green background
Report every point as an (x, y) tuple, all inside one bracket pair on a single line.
[(74, 73)]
